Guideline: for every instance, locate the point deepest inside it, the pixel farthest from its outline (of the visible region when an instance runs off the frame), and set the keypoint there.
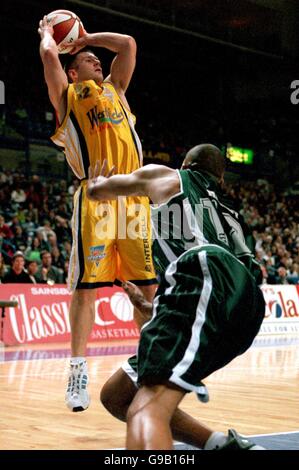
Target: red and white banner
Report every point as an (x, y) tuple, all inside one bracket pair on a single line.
[(42, 315), (282, 309)]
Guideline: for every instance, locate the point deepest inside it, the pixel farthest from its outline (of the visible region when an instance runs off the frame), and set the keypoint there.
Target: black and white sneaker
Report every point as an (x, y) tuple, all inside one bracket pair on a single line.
[(237, 442), (77, 397)]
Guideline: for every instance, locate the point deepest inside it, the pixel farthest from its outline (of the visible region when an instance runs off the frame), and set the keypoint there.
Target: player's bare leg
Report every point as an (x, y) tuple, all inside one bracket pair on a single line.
[(149, 416), (184, 428)]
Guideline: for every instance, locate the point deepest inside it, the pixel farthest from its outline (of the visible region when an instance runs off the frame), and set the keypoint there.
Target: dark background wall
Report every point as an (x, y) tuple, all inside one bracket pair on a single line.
[(206, 70)]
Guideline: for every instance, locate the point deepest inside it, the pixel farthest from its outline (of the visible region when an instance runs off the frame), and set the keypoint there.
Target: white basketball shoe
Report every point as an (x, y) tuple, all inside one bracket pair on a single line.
[(77, 397)]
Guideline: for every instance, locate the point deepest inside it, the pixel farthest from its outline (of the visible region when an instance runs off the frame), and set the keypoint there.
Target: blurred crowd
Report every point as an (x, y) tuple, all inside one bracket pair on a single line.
[(36, 236), (35, 231), (274, 220)]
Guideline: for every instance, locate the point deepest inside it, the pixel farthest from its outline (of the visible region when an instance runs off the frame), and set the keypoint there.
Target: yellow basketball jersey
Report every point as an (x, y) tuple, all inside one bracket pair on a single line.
[(98, 126)]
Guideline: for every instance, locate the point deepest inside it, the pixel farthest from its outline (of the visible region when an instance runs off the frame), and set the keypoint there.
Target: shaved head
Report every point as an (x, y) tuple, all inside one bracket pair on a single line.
[(205, 157)]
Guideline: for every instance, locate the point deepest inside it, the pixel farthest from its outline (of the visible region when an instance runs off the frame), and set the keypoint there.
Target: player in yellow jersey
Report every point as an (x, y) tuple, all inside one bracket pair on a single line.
[(95, 123)]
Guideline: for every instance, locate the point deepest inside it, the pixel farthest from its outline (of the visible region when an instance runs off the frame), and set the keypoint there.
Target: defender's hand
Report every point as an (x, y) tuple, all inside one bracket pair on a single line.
[(134, 293), (96, 171), (97, 176)]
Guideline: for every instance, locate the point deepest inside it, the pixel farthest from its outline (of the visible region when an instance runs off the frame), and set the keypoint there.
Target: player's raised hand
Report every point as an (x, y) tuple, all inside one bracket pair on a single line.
[(46, 26)]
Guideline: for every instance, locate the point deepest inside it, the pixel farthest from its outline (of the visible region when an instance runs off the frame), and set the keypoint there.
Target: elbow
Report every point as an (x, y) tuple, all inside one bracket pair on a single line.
[(130, 43)]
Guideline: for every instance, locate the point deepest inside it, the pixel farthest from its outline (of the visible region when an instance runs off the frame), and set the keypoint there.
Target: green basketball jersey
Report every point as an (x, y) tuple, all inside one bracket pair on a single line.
[(198, 215)]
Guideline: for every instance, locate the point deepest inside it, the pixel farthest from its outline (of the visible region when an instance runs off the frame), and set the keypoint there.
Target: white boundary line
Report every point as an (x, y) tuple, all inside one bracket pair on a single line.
[(274, 434)]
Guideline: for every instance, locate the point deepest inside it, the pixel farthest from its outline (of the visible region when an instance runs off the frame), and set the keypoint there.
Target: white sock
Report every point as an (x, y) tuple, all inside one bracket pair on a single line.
[(216, 439), (76, 360)]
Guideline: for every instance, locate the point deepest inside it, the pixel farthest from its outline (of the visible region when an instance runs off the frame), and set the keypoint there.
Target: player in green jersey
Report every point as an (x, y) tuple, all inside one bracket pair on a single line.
[(208, 307)]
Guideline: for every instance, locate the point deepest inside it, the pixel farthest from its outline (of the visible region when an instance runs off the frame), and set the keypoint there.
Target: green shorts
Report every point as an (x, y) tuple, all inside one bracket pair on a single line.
[(207, 310)]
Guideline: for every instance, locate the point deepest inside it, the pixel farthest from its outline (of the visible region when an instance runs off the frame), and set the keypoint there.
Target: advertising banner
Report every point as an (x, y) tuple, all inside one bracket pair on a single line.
[(282, 309), (42, 315)]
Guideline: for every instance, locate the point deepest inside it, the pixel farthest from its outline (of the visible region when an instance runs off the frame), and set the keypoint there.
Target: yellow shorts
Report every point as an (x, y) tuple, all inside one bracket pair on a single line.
[(111, 242)]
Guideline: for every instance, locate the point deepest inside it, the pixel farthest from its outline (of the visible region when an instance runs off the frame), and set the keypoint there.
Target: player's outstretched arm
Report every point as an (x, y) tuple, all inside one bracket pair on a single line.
[(55, 76), (155, 181)]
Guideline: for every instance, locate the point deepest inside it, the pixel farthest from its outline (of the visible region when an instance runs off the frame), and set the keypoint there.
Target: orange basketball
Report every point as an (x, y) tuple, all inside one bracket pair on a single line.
[(67, 28)]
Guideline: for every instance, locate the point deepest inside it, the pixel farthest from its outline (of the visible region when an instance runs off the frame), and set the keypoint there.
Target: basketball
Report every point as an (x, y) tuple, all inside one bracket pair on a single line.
[(67, 28), (121, 307)]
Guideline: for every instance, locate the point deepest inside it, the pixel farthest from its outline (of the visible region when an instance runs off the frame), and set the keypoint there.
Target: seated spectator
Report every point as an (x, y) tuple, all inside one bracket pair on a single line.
[(33, 253), (20, 238), (48, 274), (293, 277), (66, 249), (52, 240), (17, 273), (45, 230), (280, 278), (14, 223), (271, 271), (57, 257), (44, 245), (6, 235), (32, 268), (73, 187), (18, 196), (2, 268), (31, 213), (63, 229), (66, 270), (34, 196)]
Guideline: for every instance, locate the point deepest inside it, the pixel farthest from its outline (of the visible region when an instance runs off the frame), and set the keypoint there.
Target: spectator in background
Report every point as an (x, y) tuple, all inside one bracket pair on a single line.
[(14, 223), (63, 230), (293, 277), (280, 278), (57, 258), (18, 196), (33, 253), (5, 231), (67, 248), (44, 245), (45, 230), (48, 274), (32, 268), (20, 240), (73, 188), (31, 214), (34, 196), (6, 236), (2, 267), (52, 240), (17, 274), (66, 270)]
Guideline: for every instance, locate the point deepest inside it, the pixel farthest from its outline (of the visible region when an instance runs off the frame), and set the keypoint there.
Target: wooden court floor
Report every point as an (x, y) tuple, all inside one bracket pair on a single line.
[(258, 393)]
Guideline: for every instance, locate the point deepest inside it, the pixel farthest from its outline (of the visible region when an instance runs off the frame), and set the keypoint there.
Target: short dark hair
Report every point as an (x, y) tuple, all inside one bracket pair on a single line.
[(18, 254), (205, 157), (44, 252), (69, 61)]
